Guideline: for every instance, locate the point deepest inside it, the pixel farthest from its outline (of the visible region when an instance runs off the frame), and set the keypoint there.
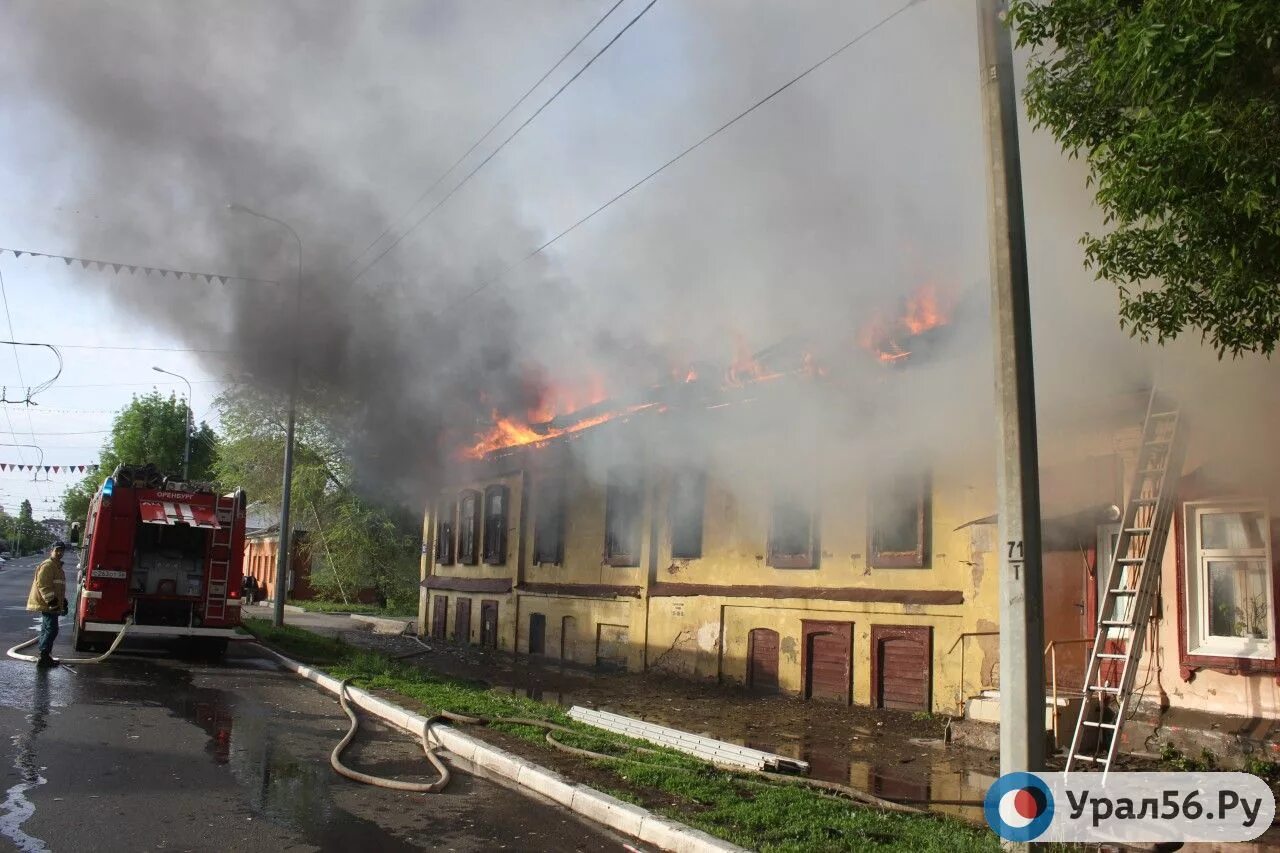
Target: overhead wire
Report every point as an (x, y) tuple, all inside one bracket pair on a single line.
[(503, 145), (8, 316), (35, 389), (447, 172), (686, 152)]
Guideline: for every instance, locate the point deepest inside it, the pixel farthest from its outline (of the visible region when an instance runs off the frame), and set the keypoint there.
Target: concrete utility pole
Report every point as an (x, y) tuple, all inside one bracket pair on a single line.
[(186, 448), (1022, 708), (283, 550)]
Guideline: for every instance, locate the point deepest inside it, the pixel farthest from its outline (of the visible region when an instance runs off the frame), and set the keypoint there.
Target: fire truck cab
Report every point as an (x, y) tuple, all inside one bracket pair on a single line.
[(167, 553)]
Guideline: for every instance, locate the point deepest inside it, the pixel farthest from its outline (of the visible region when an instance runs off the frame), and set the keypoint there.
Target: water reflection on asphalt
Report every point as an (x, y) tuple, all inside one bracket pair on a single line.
[(17, 809)]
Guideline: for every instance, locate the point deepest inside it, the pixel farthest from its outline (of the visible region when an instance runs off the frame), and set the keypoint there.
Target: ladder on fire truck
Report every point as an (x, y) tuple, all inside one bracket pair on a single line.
[(1133, 583), (220, 554)]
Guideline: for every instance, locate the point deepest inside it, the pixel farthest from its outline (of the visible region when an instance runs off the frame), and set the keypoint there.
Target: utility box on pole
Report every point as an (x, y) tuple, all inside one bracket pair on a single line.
[(1022, 697)]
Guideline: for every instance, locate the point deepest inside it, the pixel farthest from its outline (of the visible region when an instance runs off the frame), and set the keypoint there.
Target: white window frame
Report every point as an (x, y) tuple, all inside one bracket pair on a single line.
[(1199, 641)]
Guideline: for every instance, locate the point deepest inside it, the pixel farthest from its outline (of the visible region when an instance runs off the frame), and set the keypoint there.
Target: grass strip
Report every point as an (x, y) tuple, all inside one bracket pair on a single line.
[(771, 818)]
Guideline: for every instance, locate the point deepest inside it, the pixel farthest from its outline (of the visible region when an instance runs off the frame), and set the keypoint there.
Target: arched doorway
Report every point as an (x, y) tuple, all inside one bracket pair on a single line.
[(568, 638), (762, 660), (828, 667)]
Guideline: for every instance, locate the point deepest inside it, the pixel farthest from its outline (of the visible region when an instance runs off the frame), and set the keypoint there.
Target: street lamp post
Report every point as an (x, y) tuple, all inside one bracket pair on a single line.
[(282, 549), (186, 447)]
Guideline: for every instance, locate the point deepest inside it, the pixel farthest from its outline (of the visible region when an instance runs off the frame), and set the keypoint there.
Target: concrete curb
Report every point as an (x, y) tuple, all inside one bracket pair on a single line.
[(266, 604), (386, 624), (594, 805)]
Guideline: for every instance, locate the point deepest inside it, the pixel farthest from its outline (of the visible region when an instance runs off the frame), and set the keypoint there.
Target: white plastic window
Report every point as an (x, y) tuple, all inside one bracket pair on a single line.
[(1230, 606)]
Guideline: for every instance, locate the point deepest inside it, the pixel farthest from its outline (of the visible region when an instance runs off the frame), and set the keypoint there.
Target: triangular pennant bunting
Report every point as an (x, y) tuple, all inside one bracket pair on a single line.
[(133, 269), (55, 469), (84, 265), (116, 267), (68, 261)]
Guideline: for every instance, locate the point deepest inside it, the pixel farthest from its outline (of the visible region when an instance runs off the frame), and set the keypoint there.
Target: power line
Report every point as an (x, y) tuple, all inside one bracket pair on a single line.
[(81, 432), (139, 349), (143, 384), (686, 152), (487, 134), (495, 151), (4, 298)]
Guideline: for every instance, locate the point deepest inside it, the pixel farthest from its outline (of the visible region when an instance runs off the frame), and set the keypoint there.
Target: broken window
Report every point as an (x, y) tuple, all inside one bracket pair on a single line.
[(623, 516), (495, 525), (793, 531), (445, 519), (468, 527), (1230, 581), (688, 501), (897, 523), (548, 520)]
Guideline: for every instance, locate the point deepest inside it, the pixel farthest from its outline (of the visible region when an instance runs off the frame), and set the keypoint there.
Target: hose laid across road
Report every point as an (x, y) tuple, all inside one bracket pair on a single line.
[(16, 654)]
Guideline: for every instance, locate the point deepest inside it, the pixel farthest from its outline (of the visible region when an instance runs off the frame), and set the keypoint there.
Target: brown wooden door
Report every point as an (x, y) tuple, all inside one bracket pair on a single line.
[(440, 617), (462, 621), (828, 660), (901, 667), (537, 634), (489, 624), (762, 660)]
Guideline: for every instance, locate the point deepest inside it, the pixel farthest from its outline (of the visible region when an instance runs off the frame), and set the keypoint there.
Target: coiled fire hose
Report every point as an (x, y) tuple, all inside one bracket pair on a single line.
[(16, 654), (829, 788)]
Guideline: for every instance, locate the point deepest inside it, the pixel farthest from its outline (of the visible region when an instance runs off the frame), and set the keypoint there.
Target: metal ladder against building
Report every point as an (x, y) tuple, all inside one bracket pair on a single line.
[(1132, 586), (215, 607)]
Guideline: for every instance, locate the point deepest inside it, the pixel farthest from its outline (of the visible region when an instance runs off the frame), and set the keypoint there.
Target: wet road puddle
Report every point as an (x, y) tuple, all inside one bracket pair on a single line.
[(915, 772), (17, 809)]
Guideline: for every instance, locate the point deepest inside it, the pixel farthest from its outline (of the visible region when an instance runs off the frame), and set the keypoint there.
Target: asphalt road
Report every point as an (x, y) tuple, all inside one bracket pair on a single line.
[(145, 752)]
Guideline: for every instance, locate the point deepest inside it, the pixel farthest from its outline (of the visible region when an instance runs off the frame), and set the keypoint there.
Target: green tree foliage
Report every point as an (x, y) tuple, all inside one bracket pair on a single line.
[(151, 429), (1175, 105), (22, 532), (355, 543)]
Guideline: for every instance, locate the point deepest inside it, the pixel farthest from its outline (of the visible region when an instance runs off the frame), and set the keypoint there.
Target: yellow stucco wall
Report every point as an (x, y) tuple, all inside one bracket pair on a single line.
[(584, 536), (506, 616), (581, 644)]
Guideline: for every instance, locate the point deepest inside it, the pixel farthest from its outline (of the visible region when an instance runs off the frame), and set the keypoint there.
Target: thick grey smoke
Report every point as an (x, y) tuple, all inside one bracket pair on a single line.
[(826, 208)]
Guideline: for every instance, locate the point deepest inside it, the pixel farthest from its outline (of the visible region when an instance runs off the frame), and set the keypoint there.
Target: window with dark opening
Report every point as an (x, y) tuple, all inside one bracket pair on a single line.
[(445, 519), (688, 501), (548, 520), (623, 516), (495, 525), (897, 523), (793, 533), (468, 527)]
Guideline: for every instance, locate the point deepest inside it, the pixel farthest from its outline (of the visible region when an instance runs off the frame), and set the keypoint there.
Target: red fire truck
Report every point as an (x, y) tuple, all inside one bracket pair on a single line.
[(167, 553)]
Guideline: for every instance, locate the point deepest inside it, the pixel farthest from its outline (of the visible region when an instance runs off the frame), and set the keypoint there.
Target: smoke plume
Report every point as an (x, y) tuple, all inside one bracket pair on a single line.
[(824, 210)]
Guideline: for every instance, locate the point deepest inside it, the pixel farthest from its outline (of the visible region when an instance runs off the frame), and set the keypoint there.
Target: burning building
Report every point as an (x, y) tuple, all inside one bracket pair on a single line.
[(702, 528), (725, 530)]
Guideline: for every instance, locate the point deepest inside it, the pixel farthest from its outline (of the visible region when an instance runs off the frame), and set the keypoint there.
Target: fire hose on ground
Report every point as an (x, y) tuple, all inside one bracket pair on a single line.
[(16, 651), (335, 758)]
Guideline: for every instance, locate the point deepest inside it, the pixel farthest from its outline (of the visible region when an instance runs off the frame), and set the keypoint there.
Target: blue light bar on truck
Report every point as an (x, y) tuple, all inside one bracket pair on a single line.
[(108, 486)]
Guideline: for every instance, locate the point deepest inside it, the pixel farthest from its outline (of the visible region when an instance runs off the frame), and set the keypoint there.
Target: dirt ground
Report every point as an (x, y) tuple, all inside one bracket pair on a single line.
[(892, 754)]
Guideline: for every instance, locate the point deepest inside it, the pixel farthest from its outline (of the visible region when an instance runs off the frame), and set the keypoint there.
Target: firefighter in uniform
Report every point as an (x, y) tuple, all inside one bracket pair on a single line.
[(48, 597)]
